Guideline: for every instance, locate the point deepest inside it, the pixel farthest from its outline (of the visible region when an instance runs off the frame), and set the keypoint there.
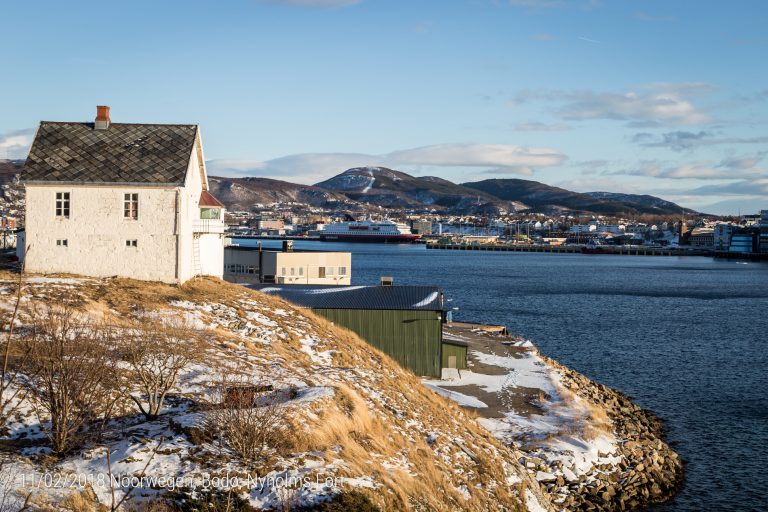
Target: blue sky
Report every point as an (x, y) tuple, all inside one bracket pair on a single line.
[(667, 97)]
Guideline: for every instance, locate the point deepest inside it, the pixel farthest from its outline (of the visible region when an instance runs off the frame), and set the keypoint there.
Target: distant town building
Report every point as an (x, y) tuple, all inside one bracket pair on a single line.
[(110, 199), (743, 242), (763, 244), (699, 237), (422, 227), (270, 224), (722, 236)]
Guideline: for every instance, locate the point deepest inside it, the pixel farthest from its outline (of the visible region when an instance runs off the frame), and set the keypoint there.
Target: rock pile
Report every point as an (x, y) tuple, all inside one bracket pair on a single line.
[(647, 470)]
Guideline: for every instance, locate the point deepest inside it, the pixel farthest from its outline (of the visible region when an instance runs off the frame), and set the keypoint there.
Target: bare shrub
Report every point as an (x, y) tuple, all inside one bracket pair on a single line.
[(12, 498), (72, 375), (157, 353), (14, 355), (250, 417)]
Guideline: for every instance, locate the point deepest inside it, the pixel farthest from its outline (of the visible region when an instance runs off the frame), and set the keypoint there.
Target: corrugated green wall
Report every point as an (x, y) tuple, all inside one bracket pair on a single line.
[(412, 338), (455, 350)]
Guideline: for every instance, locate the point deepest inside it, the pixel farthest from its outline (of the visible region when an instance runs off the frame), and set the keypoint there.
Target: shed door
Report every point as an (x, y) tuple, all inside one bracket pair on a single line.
[(451, 361)]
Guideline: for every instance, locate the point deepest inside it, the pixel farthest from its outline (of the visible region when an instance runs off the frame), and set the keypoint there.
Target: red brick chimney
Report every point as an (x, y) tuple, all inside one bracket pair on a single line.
[(102, 117)]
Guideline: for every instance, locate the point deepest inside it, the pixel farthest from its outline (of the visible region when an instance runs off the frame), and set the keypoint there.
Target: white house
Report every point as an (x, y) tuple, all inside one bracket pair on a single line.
[(131, 200)]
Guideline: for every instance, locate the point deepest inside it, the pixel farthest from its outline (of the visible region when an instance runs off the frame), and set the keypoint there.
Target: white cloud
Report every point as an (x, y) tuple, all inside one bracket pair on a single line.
[(651, 104), (662, 107), (15, 145), (315, 167)]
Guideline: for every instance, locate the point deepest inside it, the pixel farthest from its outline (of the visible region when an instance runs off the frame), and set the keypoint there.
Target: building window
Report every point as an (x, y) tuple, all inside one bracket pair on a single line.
[(210, 213), (62, 242), (329, 271), (293, 271), (131, 206), (321, 272), (283, 270), (62, 204), (131, 243), (342, 271), (301, 271)]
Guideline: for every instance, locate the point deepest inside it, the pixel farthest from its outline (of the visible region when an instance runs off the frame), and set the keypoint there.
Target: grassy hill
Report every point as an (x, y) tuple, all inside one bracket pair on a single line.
[(355, 427)]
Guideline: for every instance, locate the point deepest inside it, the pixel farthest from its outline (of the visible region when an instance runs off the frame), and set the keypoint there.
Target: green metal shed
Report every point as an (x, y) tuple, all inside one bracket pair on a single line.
[(405, 322)]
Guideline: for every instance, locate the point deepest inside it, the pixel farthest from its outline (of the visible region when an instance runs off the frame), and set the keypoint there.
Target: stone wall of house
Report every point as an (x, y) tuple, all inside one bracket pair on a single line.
[(96, 232)]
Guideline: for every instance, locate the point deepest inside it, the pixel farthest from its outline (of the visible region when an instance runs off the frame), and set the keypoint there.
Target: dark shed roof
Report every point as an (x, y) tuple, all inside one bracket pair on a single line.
[(123, 153), (419, 298)]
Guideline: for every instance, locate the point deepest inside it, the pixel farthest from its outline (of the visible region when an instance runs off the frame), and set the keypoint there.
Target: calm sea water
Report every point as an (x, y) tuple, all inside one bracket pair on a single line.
[(686, 337)]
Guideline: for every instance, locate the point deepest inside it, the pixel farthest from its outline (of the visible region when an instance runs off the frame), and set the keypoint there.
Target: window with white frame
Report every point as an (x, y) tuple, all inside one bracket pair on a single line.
[(131, 243), (131, 206), (62, 204), (342, 271), (62, 242)]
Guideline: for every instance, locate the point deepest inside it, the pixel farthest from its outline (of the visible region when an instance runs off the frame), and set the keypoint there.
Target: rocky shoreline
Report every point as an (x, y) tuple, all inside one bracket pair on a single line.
[(647, 471)]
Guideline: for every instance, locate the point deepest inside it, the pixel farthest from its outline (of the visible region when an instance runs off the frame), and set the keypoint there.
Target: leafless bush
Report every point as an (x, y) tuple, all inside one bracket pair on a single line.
[(12, 498), (157, 353), (13, 356), (72, 374), (250, 417)]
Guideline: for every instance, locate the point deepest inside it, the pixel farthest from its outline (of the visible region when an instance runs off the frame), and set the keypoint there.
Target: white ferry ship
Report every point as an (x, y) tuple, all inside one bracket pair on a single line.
[(383, 231)]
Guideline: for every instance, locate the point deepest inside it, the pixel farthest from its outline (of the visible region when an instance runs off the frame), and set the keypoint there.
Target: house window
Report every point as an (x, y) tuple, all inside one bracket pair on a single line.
[(301, 271), (283, 270), (329, 271), (62, 242), (131, 206), (62, 204), (131, 243), (320, 272), (210, 213), (342, 271), (293, 271)]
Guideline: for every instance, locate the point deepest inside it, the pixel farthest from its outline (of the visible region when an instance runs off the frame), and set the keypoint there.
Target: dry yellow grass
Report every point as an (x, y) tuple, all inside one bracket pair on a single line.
[(379, 412)]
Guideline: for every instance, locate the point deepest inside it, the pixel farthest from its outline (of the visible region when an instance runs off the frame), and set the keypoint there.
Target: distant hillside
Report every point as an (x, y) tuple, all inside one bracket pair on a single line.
[(389, 188), (243, 193), (642, 201), (11, 192), (546, 198)]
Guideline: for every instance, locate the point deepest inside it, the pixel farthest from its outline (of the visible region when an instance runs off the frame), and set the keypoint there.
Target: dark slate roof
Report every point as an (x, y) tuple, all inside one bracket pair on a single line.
[(413, 298), (123, 153)]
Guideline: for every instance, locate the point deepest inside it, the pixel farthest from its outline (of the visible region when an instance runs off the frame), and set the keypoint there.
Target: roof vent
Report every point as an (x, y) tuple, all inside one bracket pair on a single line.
[(102, 118), (387, 281)]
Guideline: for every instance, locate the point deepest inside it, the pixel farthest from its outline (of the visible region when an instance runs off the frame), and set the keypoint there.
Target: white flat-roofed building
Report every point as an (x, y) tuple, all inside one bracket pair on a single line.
[(249, 265)]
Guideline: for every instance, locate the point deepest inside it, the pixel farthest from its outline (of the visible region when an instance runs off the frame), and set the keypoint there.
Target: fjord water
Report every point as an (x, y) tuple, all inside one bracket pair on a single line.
[(686, 337)]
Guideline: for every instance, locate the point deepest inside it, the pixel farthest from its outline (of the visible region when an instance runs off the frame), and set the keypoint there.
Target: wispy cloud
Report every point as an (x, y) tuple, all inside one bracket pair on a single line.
[(758, 187), (314, 167), (731, 168), (15, 145), (587, 39), (537, 126), (686, 140), (651, 104)]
